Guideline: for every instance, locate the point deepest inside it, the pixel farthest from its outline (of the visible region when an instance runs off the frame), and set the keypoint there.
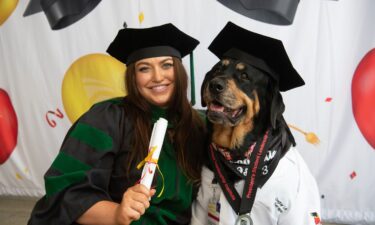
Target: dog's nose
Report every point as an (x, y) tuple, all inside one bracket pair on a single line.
[(217, 85)]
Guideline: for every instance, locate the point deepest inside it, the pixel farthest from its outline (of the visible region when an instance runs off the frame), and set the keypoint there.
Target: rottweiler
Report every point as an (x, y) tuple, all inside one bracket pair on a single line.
[(255, 175)]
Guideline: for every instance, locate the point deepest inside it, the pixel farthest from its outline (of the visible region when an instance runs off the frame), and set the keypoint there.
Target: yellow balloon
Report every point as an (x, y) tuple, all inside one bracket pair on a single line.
[(6, 9), (91, 79)]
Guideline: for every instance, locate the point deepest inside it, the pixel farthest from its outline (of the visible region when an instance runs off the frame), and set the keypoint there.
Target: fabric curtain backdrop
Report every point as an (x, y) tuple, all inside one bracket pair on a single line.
[(50, 77)]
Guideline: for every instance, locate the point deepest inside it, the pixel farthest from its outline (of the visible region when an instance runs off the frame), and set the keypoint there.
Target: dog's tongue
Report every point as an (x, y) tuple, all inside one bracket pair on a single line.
[(216, 108)]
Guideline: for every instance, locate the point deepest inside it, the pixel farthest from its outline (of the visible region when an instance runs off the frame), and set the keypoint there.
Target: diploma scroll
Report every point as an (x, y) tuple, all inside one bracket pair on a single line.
[(156, 142)]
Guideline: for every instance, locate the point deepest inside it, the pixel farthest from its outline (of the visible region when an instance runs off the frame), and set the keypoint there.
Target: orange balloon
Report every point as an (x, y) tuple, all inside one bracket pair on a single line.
[(91, 79), (6, 9)]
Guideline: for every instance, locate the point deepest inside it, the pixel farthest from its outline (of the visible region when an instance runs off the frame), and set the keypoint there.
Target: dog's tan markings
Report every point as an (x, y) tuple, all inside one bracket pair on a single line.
[(240, 66), (236, 99), (228, 97), (253, 107), (225, 62), (233, 137)]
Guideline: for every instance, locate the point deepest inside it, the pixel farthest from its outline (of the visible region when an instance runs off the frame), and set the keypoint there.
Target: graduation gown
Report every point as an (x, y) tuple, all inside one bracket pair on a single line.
[(90, 168)]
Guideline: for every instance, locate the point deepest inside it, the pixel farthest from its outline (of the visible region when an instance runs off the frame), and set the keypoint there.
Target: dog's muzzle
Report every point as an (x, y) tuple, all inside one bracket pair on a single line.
[(222, 103)]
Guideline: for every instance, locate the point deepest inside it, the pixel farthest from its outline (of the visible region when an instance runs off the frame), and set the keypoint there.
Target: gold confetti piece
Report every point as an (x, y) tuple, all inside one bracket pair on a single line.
[(18, 176), (141, 17), (309, 136)]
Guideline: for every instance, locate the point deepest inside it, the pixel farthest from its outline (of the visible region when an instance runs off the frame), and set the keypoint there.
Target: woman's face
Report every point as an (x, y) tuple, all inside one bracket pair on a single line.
[(155, 79)]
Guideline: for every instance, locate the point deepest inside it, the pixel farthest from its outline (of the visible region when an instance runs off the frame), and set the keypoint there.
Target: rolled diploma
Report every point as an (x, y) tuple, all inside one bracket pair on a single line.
[(156, 141)]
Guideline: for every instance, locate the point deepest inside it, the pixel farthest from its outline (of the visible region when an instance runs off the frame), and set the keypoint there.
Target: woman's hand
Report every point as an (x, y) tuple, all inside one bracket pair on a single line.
[(134, 203)]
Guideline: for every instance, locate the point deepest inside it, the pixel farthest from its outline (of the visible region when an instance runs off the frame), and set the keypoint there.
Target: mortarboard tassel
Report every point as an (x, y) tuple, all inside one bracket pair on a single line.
[(192, 80), (309, 136)]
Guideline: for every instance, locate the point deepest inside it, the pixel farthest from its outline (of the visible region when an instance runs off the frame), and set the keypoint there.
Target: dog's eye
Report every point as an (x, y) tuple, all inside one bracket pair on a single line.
[(217, 69), (244, 76)]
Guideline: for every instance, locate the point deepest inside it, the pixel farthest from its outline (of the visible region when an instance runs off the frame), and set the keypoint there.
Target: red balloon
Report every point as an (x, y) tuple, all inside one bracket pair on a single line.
[(8, 127), (363, 97)]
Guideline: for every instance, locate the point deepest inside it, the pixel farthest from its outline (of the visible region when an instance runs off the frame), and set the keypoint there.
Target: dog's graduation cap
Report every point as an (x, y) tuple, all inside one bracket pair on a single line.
[(133, 44), (265, 53)]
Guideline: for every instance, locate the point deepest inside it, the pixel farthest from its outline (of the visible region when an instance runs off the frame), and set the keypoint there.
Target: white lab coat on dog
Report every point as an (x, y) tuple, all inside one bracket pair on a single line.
[(289, 197)]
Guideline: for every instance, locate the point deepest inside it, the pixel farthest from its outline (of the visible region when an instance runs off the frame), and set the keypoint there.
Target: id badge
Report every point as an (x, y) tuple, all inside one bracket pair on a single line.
[(214, 206)]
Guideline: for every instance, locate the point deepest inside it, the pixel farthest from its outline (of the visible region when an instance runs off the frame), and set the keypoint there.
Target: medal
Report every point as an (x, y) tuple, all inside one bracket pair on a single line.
[(244, 219)]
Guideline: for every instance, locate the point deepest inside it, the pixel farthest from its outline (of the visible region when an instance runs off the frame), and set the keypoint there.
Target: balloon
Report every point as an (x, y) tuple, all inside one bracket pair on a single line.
[(6, 9), (91, 79), (8, 127), (363, 96)]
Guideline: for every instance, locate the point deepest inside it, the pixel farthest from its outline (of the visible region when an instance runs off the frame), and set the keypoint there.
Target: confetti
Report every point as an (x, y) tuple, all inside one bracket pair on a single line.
[(18, 176), (316, 218), (328, 99), (353, 175), (51, 122), (141, 17)]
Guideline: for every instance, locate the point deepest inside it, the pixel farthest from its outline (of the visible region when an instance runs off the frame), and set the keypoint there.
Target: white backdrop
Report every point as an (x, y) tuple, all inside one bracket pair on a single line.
[(326, 42)]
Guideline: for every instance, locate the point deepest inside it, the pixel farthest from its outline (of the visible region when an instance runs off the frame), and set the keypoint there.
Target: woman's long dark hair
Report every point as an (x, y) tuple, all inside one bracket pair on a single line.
[(189, 129)]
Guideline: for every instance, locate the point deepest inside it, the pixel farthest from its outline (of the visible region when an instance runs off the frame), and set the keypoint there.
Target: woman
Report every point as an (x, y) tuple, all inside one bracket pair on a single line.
[(94, 178)]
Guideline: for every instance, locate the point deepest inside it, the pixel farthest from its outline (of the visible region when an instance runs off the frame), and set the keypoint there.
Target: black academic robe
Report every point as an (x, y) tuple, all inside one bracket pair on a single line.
[(90, 168)]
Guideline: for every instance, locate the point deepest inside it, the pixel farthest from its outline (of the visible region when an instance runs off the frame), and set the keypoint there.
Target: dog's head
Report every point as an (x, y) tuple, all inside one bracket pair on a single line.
[(237, 93), (242, 91)]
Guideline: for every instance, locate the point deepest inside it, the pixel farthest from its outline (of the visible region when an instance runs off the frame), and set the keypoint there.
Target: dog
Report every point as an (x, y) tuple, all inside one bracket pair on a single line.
[(255, 175)]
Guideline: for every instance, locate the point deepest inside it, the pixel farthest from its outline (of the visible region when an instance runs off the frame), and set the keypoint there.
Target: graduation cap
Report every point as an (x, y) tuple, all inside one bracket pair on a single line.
[(32, 8), (61, 13), (265, 53), (279, 12), (133, 44)]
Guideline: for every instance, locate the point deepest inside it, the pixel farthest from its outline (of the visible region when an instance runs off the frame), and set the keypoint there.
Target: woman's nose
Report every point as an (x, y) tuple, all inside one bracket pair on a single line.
[(158, 75)]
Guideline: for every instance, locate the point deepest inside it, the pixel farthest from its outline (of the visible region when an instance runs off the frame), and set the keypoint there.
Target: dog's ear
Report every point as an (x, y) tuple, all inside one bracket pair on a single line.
[(277, 107), (204, 83), (208, 76)]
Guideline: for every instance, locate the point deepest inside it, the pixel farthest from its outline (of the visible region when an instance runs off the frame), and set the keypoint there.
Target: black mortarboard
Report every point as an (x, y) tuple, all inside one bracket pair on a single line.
[(32, 8), (133, 44), (265, 53), (61, 13), (279, 12)]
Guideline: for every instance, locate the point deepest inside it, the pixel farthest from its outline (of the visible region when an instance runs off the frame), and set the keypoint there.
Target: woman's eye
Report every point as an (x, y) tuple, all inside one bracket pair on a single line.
[(143, 69), (167, 65)]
